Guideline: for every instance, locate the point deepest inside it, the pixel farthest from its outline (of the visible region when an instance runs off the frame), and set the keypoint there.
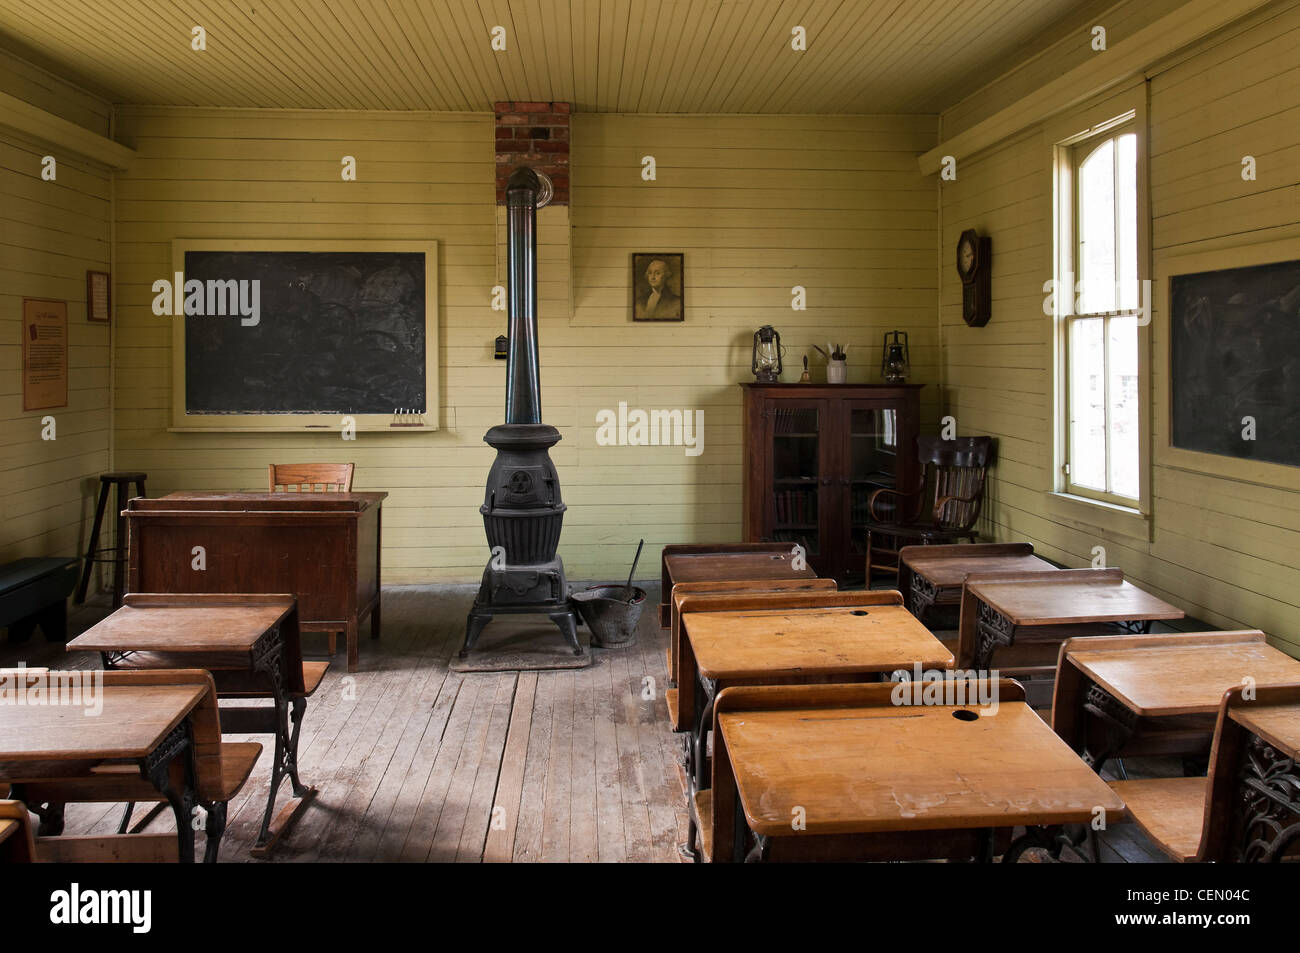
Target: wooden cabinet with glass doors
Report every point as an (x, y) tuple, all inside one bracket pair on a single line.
[(813, 454)]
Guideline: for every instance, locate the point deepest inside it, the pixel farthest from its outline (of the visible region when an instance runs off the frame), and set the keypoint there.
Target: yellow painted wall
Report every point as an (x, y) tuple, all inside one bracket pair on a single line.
[(51, 232), (757, 204), (1222, 549)]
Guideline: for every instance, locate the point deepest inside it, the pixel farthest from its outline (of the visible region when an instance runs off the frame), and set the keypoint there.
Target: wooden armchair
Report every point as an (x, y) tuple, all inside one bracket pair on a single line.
[(942, 508), (308, 477)]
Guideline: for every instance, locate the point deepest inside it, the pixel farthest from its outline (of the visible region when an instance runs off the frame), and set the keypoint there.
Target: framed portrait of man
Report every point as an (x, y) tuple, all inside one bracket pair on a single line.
[(658, 286)]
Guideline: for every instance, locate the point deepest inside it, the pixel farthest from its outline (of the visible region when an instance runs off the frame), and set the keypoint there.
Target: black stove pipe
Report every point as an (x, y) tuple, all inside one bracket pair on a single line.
[(523, 376)]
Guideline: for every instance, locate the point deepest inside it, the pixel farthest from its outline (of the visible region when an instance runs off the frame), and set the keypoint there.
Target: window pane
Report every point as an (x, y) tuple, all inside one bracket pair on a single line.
[(1126, 211), (1087, 403), (1124, 406), (1097, 229)]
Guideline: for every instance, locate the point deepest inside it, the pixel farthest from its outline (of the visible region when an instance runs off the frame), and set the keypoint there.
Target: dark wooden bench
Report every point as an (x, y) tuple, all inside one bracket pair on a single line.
[(34, 591)]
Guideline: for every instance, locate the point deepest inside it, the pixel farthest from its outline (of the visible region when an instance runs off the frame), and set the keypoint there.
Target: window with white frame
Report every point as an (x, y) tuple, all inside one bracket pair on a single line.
[(1098, 249)]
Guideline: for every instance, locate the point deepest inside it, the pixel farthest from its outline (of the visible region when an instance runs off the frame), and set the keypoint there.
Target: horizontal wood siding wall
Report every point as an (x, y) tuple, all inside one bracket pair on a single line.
[(51, 232), (758, 205), (1224, 550)]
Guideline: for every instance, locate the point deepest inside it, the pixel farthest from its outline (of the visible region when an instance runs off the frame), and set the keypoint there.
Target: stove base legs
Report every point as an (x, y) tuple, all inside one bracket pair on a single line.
[(565, 620)]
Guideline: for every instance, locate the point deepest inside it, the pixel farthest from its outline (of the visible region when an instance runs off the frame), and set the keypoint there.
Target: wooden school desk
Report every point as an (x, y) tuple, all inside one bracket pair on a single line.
[(251, 646), (998, 609), (828, 636), (870, 779), (1267, 772), (58, 747), (1156, 694), (686, 590), (932, 576), (1247, 809), (324, 548), (724, 562), (849, 636)]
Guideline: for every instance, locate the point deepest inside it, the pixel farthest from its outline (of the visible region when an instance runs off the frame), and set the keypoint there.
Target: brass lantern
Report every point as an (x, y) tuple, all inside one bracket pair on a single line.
[(767, 355), (895, 364)]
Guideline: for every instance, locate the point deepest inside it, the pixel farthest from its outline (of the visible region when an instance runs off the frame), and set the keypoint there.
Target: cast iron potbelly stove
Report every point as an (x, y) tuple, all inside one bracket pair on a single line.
[(522, 510)]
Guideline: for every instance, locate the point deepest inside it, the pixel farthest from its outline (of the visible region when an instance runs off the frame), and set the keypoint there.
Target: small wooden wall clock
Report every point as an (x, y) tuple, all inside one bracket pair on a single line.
[(974, 264)]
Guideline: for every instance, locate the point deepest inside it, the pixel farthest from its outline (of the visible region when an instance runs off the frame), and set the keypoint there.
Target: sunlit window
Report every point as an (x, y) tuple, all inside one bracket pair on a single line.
[(1101, 334)]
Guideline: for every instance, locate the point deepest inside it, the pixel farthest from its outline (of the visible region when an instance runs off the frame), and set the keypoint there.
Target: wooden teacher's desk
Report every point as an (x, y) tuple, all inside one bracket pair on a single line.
[(324, 548)]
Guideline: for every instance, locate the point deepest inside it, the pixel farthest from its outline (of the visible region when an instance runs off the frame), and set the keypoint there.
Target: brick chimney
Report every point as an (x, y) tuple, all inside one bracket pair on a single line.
[(536, 135)]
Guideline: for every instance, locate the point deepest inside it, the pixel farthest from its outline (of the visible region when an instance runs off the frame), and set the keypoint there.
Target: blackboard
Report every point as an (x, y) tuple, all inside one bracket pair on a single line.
[(1235, 354), (337, 333)]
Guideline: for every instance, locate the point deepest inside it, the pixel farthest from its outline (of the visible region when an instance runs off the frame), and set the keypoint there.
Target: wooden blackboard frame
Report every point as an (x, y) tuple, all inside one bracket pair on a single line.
[(1232, 468), (308, 423)]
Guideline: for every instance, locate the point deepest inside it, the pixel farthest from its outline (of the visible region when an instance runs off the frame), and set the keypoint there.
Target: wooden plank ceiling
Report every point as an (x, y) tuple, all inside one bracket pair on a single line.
[(647, 56)]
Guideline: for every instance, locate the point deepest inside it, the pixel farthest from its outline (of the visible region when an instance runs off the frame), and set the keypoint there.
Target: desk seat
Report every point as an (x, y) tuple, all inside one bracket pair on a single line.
[(237, 761), (1169, 811), (16, 840), (122, 782), (313, 673), (674, 719), (228, 669)]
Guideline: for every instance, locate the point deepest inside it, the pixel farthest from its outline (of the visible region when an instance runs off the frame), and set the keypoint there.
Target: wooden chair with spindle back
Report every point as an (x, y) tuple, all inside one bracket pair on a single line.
[(942, 508), (311, 478)]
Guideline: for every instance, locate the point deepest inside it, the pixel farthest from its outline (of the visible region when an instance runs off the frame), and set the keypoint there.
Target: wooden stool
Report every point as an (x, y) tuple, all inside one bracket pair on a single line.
[(122, 481)]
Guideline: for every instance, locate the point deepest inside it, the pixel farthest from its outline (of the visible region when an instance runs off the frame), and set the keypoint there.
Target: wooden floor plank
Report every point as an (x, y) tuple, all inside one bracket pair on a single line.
[(455, 801), (478, 807), (664, 802), (583, 846), (500, 844), (432, 798), (627, 704), (532, 798), (406, 799), (610, 844), (555, 828)]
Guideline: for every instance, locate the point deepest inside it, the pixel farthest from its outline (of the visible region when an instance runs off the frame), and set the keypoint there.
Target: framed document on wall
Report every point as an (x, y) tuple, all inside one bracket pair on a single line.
[(45, 354), (97, 296)]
